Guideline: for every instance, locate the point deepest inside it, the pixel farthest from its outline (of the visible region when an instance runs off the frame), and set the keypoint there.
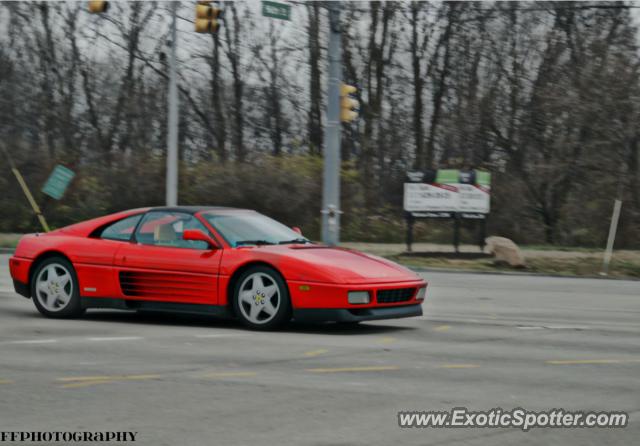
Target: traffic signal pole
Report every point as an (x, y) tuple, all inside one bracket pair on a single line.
[(331, 181), (172, 133)]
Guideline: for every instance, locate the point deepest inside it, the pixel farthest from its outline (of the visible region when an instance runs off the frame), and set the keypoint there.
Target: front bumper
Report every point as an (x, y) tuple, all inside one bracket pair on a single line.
[(312, 295), (355, 314)]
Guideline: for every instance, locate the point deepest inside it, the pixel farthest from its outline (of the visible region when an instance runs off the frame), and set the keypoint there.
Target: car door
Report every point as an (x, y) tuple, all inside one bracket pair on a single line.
[(159, 265), (93, 257)]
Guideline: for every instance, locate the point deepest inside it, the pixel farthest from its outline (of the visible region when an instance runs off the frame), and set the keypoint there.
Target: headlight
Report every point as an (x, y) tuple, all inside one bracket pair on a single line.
[(421, 293), (359, 297)]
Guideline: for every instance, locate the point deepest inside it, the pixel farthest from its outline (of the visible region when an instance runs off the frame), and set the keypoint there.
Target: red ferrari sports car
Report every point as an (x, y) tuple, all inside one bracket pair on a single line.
[(212, 260)]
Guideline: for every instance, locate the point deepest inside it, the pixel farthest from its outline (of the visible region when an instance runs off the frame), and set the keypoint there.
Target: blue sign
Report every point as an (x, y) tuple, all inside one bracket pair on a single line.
[(58, 182)]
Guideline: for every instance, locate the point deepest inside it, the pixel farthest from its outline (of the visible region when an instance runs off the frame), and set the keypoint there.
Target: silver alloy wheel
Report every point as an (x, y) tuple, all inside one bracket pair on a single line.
[(54, 287), (259, 298)]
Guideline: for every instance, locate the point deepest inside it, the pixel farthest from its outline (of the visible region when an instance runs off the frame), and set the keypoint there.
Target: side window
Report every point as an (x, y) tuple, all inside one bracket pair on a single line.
[(166, 228), (122, 229)]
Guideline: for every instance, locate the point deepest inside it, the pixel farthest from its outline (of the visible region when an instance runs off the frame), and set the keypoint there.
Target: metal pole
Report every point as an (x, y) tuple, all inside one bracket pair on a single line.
[(456, 232), (331, 181), (409, 219), (612, 237), (172, 133)]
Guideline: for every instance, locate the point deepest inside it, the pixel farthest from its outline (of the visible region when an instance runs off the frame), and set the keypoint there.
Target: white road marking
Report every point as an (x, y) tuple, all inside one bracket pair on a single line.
[(219, 335), (568, 327), (228, 375), (382, 368), (121, 338), (33, 341), (113, 338), (553, 327)]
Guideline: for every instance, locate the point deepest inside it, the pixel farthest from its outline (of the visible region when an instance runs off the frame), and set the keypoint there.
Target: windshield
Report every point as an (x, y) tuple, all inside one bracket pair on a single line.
[(249, 228)]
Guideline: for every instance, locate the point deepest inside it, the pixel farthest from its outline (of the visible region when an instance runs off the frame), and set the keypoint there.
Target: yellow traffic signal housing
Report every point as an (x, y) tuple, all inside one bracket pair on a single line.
[(97, 7), (207, 17), (348, 105)]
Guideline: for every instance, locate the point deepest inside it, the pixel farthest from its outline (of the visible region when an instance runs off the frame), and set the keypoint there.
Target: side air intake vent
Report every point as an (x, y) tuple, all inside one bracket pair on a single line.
[(166, 286)]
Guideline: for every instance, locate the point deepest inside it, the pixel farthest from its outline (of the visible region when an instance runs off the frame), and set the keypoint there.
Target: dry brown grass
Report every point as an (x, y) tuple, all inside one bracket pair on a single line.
[(541, 260)]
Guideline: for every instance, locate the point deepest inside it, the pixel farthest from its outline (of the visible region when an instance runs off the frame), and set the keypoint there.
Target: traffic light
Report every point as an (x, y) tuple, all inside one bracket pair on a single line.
[(348, 105), (97, 7), (207, 17)]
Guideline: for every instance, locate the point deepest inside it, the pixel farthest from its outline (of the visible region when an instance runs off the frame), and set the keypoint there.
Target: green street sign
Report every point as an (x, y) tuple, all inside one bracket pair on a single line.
[(483, 178), (276, 10), (447, 176), (58, 182)]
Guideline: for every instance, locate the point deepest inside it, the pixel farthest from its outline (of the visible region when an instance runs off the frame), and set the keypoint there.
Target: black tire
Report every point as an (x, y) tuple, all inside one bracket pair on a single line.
[(73, 308), (283, 310)]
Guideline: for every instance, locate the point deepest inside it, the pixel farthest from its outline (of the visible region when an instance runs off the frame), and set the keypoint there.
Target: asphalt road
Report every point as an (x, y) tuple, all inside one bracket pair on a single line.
[(485, 341)]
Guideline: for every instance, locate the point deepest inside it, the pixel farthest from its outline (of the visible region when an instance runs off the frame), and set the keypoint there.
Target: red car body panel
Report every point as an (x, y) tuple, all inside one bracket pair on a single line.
[(318, 277)]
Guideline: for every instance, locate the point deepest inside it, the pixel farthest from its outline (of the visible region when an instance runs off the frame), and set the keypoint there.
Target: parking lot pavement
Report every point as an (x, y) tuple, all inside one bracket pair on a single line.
[(485, 341)]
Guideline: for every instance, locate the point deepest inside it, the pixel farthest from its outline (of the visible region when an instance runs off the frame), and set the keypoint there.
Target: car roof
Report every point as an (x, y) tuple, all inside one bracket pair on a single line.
[(194, 209)]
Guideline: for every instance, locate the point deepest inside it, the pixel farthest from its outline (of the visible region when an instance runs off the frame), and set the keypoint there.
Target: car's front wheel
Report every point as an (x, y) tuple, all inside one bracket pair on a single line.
[(261, 299), (54, 289)]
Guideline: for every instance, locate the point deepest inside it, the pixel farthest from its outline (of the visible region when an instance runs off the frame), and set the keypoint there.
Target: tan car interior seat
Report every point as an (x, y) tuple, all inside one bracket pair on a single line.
[(165, 235)]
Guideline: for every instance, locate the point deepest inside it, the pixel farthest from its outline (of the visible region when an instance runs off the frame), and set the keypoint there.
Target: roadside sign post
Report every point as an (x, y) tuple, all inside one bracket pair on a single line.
[(26, 191), (30, 199), (612, 237), (410, 220), (456, 232), (449, 194)]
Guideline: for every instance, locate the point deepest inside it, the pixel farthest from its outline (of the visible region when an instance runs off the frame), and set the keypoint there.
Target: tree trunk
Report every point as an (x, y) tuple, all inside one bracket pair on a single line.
[(314, 125), (233, 54), (418, 85), (220, 126), (440, 86)]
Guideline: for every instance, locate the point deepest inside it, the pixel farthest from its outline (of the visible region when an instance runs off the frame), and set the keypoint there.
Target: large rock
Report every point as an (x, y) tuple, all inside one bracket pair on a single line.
[(505, 251)]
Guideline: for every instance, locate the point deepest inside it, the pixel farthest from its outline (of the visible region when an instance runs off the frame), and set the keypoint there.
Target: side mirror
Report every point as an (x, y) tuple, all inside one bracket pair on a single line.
[(297, 229), (198, 236)]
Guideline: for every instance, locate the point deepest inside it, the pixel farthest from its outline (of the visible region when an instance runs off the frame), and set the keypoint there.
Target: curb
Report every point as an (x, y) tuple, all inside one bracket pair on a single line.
[(514, 273)]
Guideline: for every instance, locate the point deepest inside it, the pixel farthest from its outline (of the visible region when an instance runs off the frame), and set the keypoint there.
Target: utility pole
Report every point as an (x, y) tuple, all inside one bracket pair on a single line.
[(172, 133), (331, 181)]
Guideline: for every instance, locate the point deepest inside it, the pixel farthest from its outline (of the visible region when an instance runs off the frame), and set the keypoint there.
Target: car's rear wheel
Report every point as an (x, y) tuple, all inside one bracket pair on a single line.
[(55, 290), (261, 299)]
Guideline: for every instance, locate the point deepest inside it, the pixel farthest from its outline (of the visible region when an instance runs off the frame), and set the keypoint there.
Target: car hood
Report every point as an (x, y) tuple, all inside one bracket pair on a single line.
[(322, 263)]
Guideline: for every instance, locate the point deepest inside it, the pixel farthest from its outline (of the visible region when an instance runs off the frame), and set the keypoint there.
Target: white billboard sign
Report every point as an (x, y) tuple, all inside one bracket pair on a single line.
[(446, 198), (472, 198), (429, 197)]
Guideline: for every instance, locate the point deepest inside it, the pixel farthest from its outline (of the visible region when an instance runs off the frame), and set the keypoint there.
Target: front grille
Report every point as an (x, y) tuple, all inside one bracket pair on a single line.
[(396, 295)]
